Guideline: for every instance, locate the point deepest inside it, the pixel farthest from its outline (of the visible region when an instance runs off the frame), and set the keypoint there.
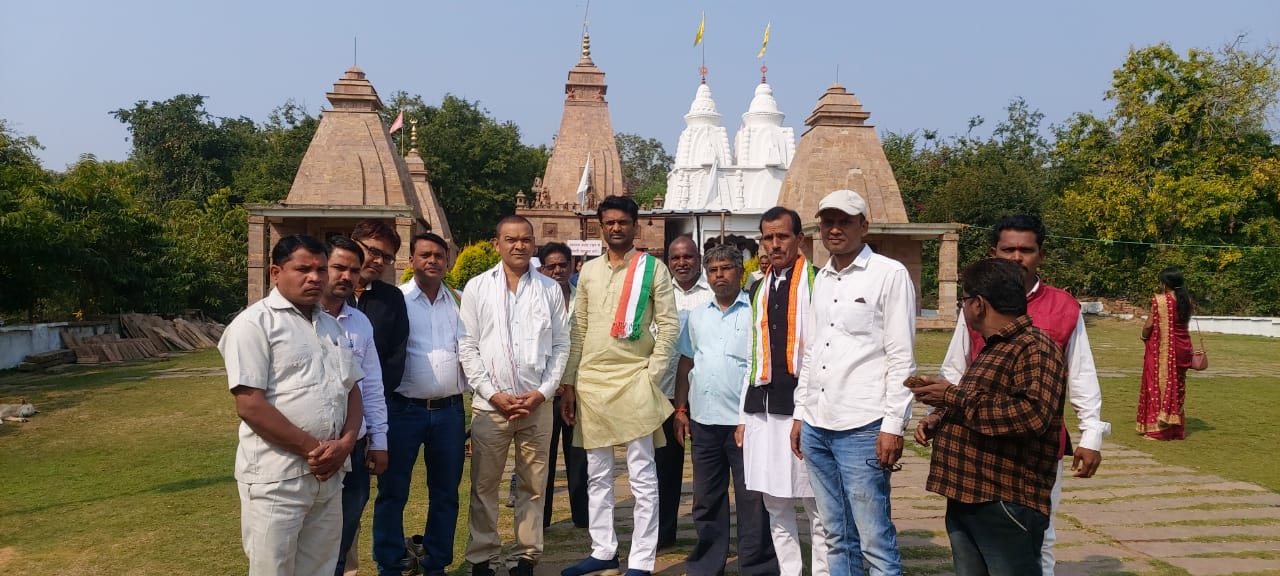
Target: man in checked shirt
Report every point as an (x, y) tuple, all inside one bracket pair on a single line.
[(996, 434)]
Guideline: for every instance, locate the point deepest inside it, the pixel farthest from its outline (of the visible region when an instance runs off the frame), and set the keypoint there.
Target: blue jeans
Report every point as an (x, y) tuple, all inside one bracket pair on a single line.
[(853, 499), (442, 435), (355, 494), (995, 538)]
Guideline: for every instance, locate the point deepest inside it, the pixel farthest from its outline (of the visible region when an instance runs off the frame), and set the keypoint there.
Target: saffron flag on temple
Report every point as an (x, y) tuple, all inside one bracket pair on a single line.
[(399, 123), (764, 45), (701, 26)]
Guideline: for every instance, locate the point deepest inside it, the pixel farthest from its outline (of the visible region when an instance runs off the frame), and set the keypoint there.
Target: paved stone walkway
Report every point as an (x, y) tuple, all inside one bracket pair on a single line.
[(1135, 516)]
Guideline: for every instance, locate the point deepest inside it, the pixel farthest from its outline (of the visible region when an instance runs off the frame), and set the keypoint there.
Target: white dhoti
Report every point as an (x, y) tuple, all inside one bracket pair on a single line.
[(772, 469)]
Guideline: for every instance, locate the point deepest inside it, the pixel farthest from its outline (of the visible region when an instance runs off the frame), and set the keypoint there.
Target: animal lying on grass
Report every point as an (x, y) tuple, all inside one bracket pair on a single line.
[(17, 412)]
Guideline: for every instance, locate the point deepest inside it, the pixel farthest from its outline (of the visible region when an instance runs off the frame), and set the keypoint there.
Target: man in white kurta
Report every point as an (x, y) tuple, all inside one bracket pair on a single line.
[(293, 375), (514, 345), (780, 304), (611, 393)]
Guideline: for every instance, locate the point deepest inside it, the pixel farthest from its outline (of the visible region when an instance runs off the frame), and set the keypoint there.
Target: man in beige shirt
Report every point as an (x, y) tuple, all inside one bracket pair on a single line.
[(612, 375), (291, 369)]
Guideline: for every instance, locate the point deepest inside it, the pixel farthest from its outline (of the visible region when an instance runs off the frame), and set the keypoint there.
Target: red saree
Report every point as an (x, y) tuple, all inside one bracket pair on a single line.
[(1164, 373)]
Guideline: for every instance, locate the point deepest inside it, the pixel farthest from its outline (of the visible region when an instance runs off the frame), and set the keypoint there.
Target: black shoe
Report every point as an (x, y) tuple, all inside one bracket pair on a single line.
[(524, 567), (481, 569), (664, 544)]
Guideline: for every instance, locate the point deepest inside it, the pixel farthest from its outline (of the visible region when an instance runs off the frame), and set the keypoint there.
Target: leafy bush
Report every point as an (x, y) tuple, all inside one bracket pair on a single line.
[(474, 259)]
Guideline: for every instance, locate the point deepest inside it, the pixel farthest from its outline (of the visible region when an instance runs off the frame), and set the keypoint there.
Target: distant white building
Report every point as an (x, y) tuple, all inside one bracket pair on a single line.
[(708, 177)]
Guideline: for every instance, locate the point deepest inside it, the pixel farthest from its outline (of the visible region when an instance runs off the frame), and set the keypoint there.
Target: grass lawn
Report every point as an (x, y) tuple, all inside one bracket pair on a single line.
[(127, 470)]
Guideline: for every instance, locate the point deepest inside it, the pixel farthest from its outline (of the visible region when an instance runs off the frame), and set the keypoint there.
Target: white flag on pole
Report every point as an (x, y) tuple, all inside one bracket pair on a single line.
[(585, 182), (713, 189)]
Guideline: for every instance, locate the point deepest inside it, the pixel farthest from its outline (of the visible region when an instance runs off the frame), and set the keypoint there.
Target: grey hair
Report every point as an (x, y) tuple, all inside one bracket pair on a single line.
[(723, 252)]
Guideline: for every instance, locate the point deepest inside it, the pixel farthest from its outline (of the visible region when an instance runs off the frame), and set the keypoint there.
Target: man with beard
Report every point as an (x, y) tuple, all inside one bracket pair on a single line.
[(293, 376), (611, 392), (780, 313), (557, 263), (514, 345), (384, 305), (691, 291), (1020, 238), (715, 345), (425, 412), (346, 259)]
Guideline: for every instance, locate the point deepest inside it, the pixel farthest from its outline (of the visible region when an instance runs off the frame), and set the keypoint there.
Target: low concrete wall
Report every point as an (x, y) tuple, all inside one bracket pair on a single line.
[(19, 341), (1247, 325)]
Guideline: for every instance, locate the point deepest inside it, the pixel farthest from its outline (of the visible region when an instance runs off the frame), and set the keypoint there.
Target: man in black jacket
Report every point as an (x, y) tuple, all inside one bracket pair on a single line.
[(384, 305)]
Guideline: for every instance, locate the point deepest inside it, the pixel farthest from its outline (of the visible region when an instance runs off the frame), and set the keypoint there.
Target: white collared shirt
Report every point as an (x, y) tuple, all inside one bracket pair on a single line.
[(861, 347), (305, 366), (513, 342), (359, 331), (431, 368), (1082, 377), (698, 295)]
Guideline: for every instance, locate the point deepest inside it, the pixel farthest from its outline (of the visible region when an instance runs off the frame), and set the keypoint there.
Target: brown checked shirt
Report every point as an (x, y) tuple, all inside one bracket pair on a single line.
[(999, 434)]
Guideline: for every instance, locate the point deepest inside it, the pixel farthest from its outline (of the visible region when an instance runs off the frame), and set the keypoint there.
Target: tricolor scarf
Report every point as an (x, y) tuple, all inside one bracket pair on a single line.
[(636, 290), (801, 292)]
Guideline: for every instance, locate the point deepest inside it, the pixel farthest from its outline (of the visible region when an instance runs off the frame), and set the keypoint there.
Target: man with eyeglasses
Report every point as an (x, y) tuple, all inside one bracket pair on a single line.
[(996, 446), (851, 405), (384, 305)]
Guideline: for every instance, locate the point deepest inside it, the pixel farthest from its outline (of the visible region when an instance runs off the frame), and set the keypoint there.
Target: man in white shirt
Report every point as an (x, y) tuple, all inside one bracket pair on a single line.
[(424, 411), (1020, 238), (851, 405), (515, 342), (691, 291), (293, 376), (369, 457)]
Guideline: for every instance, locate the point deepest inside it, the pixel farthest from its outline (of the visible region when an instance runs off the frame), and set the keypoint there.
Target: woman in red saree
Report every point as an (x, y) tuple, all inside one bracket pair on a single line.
[(1168, 355)]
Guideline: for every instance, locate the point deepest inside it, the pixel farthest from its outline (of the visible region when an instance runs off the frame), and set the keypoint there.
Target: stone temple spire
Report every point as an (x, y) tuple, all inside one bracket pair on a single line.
[(703, 143)]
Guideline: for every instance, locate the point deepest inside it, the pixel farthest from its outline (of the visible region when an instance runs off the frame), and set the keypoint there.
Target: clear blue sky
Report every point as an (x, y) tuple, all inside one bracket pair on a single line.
[(64, 64)]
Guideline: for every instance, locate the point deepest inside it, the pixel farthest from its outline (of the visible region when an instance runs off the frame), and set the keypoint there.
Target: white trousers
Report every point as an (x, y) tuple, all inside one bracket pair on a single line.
[(644, 488), (1047, 561), (292, 527), (786, 535)]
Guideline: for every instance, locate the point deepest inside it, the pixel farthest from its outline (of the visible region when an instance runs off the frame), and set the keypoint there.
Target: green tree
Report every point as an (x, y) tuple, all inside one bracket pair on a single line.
[(472, 260), (476, 163), (205, 270), (266, 176), (182, 151), (645, 165), (1184, 158)]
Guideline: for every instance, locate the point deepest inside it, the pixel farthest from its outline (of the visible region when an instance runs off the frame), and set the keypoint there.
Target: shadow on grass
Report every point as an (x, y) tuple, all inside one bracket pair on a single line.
[(166, 488), (1197, 425)]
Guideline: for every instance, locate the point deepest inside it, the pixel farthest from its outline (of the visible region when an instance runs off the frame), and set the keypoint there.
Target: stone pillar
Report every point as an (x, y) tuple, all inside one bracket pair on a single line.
[(258, 259), (404, 227), (948, 275)]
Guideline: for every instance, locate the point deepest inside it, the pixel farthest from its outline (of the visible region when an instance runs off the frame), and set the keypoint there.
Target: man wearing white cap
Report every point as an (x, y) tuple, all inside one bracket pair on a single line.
[(851, 405)]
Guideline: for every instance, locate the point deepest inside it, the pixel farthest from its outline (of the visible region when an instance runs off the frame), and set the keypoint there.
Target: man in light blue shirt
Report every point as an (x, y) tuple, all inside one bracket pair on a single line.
[(715, 350)]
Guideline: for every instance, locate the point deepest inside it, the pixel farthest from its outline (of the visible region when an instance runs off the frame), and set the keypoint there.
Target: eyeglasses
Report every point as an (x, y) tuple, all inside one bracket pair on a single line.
[(377, 254), (875, 463), (555, 265), (961, 300)]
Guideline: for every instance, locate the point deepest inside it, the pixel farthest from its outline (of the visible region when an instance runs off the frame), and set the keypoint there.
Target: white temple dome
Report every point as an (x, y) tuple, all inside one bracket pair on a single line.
[(703, 110), (764, 108)]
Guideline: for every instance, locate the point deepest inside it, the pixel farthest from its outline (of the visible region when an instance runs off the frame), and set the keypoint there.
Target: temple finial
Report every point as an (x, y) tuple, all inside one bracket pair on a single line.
[(413, 135)]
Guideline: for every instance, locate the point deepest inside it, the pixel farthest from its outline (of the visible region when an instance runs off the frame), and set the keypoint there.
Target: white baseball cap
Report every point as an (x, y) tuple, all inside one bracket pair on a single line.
[(846, 201)]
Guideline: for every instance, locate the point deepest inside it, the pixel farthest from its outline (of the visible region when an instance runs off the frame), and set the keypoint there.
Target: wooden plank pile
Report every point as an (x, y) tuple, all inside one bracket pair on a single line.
[(145, 336), (35, 362)]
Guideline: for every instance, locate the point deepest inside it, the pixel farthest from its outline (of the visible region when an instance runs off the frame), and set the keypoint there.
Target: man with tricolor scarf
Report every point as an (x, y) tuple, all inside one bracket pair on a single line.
[(780, 309), (611, 392)]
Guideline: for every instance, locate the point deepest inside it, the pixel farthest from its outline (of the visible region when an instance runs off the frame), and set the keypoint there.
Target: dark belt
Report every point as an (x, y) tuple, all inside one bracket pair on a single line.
[(433, 403)]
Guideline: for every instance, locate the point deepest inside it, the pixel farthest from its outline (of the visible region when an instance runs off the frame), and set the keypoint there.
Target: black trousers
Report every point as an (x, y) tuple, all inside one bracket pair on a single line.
[(995, 538), (575, 466), (670, 464), (715, 456)]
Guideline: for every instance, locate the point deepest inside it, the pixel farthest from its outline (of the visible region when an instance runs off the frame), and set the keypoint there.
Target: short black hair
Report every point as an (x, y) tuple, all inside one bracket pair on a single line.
[(429, 237), (1001, 282), (622, 203), (511, 219), (1021, 223), (776, 213), (284, 249), (344, 243), (555, 248), (373, 228)]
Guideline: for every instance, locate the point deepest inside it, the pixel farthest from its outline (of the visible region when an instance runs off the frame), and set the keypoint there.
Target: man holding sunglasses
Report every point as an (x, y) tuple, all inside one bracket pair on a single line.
[(996, 447)]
